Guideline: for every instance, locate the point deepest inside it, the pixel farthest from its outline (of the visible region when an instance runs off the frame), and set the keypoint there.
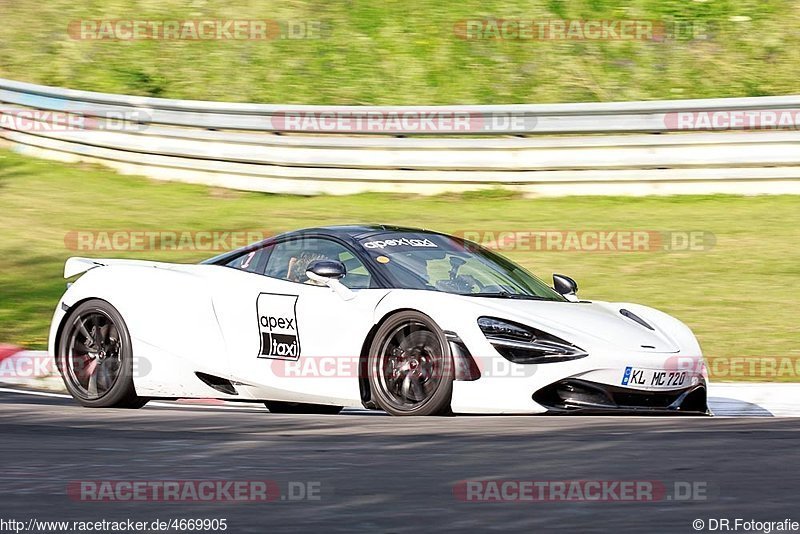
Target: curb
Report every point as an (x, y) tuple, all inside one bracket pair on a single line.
[(755, 399), (29, 368), (7, 351)]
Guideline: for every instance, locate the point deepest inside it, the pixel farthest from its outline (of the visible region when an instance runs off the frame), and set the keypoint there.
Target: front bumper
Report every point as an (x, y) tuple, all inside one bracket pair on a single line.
[(584, 397)]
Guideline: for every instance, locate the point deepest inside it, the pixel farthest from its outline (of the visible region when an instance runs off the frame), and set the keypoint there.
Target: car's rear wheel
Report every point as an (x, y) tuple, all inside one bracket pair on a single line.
[(410, 366), (299, 407), (95, 357)]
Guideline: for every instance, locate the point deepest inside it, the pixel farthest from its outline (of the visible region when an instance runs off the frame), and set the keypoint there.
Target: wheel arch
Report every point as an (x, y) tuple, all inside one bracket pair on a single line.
[(363, 378), (63, 323)]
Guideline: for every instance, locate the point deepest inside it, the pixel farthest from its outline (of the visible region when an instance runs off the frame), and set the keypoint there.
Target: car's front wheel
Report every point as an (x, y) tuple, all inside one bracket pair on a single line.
[(95, 357), (410, 366)]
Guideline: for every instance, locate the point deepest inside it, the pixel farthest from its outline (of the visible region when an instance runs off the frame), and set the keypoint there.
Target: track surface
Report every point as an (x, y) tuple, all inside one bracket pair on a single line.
[(384, 474)]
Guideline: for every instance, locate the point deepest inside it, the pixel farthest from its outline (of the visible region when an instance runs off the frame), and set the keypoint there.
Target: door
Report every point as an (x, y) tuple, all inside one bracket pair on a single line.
[(290, 339)]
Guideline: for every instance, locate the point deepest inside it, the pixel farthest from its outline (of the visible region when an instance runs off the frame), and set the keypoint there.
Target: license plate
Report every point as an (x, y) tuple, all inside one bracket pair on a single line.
[(653, 378)]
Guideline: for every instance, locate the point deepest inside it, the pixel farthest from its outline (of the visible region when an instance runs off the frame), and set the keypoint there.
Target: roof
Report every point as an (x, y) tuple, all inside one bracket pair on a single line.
[(356, 230), (351, 231)]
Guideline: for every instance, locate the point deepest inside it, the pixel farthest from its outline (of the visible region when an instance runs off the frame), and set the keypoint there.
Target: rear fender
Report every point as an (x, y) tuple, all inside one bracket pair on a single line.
[(171, 319)]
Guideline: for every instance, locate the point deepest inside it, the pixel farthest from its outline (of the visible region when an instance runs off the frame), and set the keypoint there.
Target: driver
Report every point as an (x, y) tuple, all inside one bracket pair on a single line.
[(298, 265)]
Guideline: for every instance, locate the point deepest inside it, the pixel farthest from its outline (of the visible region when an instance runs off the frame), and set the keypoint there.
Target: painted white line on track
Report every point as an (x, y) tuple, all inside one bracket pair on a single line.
[(35, 393)]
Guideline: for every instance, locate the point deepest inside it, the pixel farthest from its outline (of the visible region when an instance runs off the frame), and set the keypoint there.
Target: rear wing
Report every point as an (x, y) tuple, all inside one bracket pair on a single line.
[(77, 265)]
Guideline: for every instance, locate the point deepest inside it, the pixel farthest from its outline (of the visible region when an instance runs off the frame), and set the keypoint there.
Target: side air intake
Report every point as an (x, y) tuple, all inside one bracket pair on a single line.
[(220, 384)]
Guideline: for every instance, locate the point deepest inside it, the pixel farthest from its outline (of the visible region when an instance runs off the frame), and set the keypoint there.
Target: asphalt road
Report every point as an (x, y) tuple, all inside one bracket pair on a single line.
[(381, 474)]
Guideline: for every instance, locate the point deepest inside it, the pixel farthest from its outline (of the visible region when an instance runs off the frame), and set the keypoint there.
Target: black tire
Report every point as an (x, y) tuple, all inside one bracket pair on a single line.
[(299, 407), (410, 366), (95, 357)]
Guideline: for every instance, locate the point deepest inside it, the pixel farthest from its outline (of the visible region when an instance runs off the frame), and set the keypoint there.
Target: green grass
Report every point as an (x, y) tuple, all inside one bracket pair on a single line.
[(400, 52)]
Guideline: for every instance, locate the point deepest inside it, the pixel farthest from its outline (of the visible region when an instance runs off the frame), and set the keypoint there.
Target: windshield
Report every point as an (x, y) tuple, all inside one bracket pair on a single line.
[(442, 263)]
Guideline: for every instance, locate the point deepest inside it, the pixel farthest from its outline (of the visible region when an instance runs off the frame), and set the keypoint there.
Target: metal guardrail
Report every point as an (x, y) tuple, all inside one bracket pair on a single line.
[(605, 148)]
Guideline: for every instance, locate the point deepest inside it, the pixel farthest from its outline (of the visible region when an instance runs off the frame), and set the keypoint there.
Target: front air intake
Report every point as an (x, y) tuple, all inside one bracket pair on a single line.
[(633, 317)]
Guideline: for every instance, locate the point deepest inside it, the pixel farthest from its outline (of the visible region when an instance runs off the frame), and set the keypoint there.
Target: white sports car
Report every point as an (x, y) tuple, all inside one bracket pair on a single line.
[(409, 321)]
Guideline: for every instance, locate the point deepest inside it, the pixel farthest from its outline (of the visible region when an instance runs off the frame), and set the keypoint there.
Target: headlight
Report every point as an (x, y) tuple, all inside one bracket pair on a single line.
[(527, 345), (503, 329)]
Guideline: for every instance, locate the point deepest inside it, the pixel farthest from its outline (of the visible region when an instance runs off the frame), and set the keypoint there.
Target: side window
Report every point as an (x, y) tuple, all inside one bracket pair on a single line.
[(290, 259), (250, 262)]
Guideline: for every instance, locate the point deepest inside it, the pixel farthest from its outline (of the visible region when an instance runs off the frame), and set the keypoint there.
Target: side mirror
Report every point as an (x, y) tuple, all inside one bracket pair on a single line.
[(329, 273), (565, 285), (322, 270)]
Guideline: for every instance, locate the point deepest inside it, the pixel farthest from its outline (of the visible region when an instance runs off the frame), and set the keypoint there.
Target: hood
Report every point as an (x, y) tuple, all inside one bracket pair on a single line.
[(582, 322)]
